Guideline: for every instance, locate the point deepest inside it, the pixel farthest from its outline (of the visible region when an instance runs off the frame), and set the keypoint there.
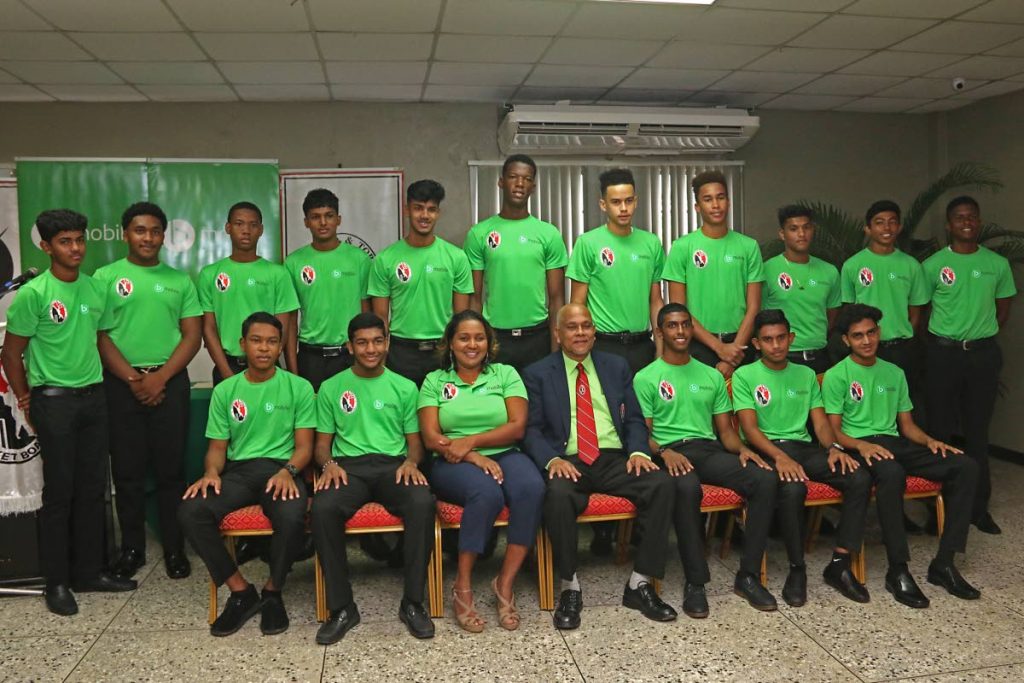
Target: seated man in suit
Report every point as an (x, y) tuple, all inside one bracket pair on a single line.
[(586, 431)]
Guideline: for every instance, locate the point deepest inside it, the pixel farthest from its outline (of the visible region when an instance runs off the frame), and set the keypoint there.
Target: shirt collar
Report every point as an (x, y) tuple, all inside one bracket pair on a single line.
[(588, 364)]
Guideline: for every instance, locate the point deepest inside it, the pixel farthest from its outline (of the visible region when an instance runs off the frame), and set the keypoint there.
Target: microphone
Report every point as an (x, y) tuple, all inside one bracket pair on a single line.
[(19, 281)]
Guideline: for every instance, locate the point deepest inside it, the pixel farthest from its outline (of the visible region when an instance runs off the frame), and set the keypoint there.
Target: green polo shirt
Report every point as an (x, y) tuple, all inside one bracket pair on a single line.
[(607, 437), (467, 409), (259, 419), (804, 292), (782, 399), (367, 414), (681, 400), (330, 286), (61, 320), (890, 283), (964, 289), (515, 257), (147, 305), (618, 272), (233, 291), (420, 282), (716, 272), (868, 397)]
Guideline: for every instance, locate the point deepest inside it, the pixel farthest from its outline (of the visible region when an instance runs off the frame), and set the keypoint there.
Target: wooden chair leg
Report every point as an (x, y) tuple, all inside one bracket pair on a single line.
[(860, 567), (437, 586), (940, 513), (321, 589), (730, 524), (545, 571), (764, 570), (625, 532), (212, 616), (813, 527)]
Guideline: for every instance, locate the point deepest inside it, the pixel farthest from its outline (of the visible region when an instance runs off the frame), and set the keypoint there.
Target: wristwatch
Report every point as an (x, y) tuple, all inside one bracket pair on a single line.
[(835, 445), (292, 469)]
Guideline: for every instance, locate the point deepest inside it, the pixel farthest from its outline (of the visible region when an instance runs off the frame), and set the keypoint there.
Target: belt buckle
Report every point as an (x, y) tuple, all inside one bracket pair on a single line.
[(966, 344), (148, 369), (518, 332), (425, 345), (807, 355)]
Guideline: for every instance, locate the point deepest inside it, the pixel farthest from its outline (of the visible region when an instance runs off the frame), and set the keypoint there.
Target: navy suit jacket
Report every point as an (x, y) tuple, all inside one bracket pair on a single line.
[(547, 430)]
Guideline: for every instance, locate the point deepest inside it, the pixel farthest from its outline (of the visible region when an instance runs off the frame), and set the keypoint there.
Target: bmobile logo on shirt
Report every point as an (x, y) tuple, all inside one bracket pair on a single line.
[(449, 391), (700, 258), (607, 257), (785, 281), (239, 410), (58, 312), (308, 275), (866, 277), (948, 276), (403, 272), (348, 402), (222, 282), (493, 239), (666, 390), (762, 395), (124, 288), (856, 391)]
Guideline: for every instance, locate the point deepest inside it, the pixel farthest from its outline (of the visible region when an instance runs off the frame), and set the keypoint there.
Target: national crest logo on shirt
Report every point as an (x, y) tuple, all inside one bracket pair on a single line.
[(866, 277), (58, 312), (666, 390), (403, 272), (239, 410), (762, 395), (785, 281), (449, 391), (348, 402), (700, 258), (222, 282), (948, 276), (124, 288), (493, 239), (308, 275), (607, 257), (856, 391)]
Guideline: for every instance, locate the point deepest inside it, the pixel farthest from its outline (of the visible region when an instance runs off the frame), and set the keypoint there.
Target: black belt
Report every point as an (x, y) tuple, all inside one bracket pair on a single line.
[(51, 391), (810, 354), (894, 342), (420, 344), (624, 337), (324, 351), (965, 344), (146, 369), (237, 361), (525, 331)]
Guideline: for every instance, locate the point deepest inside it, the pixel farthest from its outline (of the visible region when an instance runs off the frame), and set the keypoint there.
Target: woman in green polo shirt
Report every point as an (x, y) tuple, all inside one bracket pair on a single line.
[(472, 412)]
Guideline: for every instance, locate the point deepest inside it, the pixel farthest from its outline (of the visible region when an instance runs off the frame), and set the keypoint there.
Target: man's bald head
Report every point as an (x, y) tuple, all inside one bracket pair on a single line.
[(570, 308), (575, 329)]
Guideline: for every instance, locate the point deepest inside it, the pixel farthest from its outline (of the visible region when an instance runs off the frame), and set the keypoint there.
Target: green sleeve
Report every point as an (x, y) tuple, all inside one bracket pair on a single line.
[(377, 284), (833, 392), (217, 419), (428, 392), (462, 275), (741, 394), (581, 262), (834, 295), (474, 249), (555, 255), (305, 406), (106, 320), (511, 383), (190, 307), (722, 403), (815, 392), (659, 263), (675, 266), (755, 264), (1005, 287), (286, 299), (412, 424), (919, 293), (905, 405), (22, 319), (363, 273), (325, 412), (204, 290), (644, 395), (846, 290)]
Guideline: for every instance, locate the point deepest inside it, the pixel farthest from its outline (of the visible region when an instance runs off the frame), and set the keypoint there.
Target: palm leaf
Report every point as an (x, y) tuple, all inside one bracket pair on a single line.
[(966, 175)]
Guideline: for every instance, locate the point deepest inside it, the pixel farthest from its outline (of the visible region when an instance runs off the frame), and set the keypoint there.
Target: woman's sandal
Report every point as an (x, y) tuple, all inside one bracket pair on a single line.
[(508, 616), (465, 613)]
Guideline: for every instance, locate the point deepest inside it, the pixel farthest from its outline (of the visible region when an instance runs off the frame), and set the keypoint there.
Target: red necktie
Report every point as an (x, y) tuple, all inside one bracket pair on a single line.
[(586, 431)]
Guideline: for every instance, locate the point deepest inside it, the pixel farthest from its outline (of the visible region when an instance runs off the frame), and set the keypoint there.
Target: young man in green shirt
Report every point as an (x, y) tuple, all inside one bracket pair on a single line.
[(689, 415), (329, 278), (260, 429), (518, 265), (803, 287), (616, 273), (717, 273), (54, 321), (368, 449), (237, 286), (417, 283), (773, 398), (154, 332), (868, 404), (971, 289)]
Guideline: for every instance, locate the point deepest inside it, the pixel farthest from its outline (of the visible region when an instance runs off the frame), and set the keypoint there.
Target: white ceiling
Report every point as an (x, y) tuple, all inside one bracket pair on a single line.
[(846, 55)]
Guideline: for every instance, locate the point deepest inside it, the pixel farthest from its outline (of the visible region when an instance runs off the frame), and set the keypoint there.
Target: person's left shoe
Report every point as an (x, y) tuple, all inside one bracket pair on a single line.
[(949, 578), (794, 591), (986, 525), (906, 591), (840, 576), (177, 565), (104, 582), (273, 616), (695, 601), (644, 599), (416, 619), (130, 561)]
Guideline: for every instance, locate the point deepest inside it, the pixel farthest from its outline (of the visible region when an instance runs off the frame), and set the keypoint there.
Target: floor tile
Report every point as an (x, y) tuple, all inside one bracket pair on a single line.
[(42, 658), (997, 674), (28, 616)]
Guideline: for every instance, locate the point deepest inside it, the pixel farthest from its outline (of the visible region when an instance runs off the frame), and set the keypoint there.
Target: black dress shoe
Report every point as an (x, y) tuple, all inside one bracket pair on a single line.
[(416, 619), (748, 587), (949, 578), (794, 591), (337, 625), (840, 576), (104, 582), (567, 613), (645, 599), (177, 565), (695, 601), (273, 615), (903, 587), (60, 600), (130, 561), (986, 525), (240, 608)]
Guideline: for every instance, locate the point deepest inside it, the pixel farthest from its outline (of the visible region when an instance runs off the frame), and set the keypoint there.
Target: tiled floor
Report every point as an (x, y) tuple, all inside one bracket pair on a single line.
[(160, 633)]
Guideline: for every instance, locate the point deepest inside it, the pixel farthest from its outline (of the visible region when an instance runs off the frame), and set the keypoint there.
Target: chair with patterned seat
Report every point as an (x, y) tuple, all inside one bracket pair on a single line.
[(246, 521), (449, 516)]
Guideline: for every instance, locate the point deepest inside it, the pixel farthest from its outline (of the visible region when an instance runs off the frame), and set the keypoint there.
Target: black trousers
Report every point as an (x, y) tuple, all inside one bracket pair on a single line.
[(316, 368), (638, 354), (651, 492), (72, 431), (715, 465), (406, 358), (686, 517), (962, 388), (371, 478), (243, 483), (901, 353), (705, 355), (524, 350), (855, 487), (143, 437), (817, 360), (237, 365), (958, 475)]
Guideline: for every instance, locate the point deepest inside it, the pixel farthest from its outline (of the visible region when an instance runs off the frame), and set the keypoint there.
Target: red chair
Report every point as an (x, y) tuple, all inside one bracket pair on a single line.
[(247, 521), (449, 516)]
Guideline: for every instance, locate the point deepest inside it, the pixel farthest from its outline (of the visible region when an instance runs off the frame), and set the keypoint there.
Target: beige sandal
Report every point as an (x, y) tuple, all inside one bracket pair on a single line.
[(465, 613), (508, 616)]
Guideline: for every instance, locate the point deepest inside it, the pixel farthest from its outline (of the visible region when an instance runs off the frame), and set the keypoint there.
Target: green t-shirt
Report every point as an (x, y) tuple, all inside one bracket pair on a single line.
[(782, 398), (681, 400), (420, 282), (890, 283), (367, 414), (233, 291), (804, 292), (464, 409), (515, 257), (61, 318), (619, 272), (330, 286), (964, 289), (147, 305), (259, 420), (868, 397), (716, 273)]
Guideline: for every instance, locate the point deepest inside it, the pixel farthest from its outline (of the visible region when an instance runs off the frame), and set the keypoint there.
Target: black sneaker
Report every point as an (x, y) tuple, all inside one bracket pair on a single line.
[(695, 601), (840, 576), (273, 616), (794, 591), (416, 619), (337, 625), (748, 587), (240, 608)]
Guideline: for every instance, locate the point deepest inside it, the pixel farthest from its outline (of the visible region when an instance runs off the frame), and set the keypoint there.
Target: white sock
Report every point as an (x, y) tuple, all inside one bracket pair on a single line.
[(636, 579), (572, 584)]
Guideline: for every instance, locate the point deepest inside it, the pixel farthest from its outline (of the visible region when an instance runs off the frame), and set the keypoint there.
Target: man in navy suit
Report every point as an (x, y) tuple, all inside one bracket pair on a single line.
[(586, 431)]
